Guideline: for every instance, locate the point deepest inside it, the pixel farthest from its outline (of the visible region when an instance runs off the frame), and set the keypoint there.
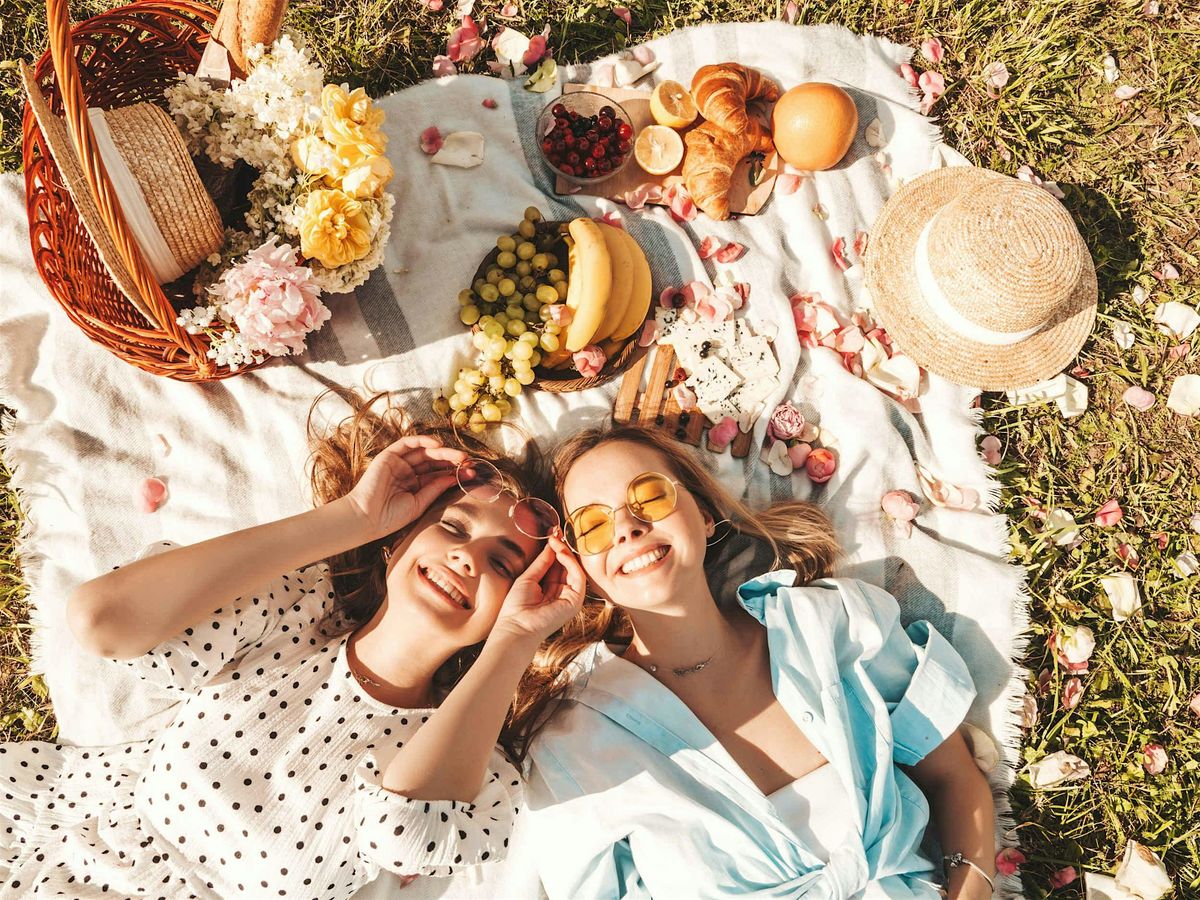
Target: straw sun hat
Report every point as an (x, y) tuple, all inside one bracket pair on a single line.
[(981, 278), (164, 204)]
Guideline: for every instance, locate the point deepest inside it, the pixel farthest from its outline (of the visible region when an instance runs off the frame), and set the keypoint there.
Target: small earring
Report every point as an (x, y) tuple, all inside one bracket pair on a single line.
[(713, 541)]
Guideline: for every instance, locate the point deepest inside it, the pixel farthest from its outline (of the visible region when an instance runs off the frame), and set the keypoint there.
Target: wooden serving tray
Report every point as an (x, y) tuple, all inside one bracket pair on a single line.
[(745, 196), (656, 407)]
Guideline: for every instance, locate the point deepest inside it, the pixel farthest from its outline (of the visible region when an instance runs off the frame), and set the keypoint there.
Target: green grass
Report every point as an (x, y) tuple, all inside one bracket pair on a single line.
[(1131, 176)]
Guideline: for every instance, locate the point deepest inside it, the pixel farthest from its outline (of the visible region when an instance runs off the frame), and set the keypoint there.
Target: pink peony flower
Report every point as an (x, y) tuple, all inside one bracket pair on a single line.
[(1009, 860), (274, 301), (589, 361), (799, 453), (1155, 759), (149, 495), (932, 50), (431, 140), (990, 446), (1062, 878), (722, 434), (622, 13), (1109, 514), (465, 42), (786, 423), (1072, 693), (820, 465)]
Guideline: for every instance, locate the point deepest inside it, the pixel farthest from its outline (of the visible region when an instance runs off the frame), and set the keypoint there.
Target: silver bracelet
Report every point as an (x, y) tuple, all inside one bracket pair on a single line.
[(958, 859)]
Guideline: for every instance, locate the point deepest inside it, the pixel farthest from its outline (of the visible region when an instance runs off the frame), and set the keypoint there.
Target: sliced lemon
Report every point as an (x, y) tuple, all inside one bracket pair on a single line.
[(658, 149), (672, 105)]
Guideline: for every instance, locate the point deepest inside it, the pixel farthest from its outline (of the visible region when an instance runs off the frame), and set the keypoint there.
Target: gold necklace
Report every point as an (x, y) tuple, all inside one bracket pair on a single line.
[(682, 671)]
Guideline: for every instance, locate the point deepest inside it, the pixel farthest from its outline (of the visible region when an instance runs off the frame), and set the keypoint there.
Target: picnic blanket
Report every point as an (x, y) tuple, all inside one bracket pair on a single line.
[(88, 428)]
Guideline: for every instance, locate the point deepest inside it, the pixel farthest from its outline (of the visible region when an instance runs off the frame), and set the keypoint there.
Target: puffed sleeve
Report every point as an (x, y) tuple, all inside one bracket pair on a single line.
[(435, 837), (280, 616), (918, 673), (577, 859)]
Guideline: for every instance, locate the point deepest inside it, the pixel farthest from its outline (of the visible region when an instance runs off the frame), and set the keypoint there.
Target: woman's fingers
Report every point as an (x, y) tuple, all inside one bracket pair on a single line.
[(429, 490), (540, 565)]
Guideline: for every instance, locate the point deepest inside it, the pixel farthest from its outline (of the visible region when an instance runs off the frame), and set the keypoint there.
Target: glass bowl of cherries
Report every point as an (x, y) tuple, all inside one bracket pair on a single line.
[(585, 137)]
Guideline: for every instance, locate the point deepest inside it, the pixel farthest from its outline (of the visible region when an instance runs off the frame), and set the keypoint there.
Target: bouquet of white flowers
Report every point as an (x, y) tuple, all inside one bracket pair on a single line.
[(318, 218)]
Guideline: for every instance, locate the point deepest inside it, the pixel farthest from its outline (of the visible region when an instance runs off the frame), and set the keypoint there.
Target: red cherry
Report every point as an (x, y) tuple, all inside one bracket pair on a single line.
[(589, 164), (583, 146), (558, 109), (573, 158), (598, 151), (569, 139), (567, 169), (625, 131), (547, 146), (604, 123), (623, 146), (604, 166)]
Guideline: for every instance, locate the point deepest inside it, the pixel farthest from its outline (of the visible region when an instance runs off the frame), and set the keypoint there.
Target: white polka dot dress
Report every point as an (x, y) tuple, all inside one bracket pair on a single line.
[(266, 784)]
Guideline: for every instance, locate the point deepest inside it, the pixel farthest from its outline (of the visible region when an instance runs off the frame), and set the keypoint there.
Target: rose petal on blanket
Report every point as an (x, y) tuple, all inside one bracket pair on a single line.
[(909, 74), (708, 247), (779, 460), (162, 447), (643, 194), (1138, 397), (679, 202), (901, 508), (149, 495), (643, 54), (874, 134), (944, 494), (1184, 398), (788, 183), (897, 375), (838, 251), (716, 306), (932, 50), (489, 103), (860, 243), (693, 292), (731, 252), (461, 149), (721, 434), (431, 140), (603, 76)]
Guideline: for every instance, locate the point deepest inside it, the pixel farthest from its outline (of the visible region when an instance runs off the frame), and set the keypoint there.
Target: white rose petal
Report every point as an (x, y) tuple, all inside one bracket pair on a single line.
[(1077, 643), (1186, 565), (1061, 520), (1029, 712), (1194, 119), (1057, 768), (1122, 333), (1184, 398), (1194, 522), (1123, 594), (1177, 320), (1139, 294), (1103, 887), (778, 459), (874, 134), (1126, 92), (1075, 401), (463, 149), (1067, 393), (510, 46), (1111, 72), (1142, 873)]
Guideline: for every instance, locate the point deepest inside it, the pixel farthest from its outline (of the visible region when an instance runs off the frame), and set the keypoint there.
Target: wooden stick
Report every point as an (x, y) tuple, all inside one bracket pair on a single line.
[(652, 399), (626, 400)]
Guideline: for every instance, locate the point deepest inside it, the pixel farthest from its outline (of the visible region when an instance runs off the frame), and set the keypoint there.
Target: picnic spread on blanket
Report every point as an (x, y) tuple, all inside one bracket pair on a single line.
[(194, 247)]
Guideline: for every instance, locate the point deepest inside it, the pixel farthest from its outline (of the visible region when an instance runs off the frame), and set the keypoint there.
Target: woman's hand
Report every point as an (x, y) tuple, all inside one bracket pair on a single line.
[(401, 482), (545, 596)]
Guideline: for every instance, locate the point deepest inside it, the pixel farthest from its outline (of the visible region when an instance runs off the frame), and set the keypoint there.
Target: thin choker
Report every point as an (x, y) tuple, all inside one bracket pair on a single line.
[(683, 671)]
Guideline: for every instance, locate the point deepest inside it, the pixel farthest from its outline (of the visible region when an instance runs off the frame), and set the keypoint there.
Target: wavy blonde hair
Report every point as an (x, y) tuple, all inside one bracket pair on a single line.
[(798, 533), (340, 454)]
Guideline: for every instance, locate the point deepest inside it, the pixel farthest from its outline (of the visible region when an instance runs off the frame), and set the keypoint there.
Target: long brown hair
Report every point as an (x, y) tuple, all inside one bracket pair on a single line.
[(800, 536), (340, 454)]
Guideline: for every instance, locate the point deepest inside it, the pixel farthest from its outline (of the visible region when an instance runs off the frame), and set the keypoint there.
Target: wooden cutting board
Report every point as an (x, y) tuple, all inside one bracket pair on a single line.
[(655, 407), (753, 179)]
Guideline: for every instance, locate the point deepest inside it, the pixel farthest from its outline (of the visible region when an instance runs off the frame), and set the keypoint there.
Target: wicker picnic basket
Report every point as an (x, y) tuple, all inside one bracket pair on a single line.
[(114, 60)]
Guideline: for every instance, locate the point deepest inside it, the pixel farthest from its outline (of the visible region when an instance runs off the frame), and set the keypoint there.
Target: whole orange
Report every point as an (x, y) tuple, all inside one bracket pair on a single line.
[(814, 125)]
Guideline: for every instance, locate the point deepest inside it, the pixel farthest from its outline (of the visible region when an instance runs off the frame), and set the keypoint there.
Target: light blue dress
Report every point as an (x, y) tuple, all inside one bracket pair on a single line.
[(631, 796)]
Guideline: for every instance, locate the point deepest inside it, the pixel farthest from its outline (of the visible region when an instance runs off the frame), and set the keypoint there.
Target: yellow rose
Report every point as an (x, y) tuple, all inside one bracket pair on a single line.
[(352, 123), (368, 177), (334, 230), (314, 156)]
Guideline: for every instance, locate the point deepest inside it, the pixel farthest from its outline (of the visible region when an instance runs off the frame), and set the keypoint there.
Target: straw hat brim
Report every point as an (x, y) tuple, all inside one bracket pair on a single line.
[(54, 130), (916, 329)]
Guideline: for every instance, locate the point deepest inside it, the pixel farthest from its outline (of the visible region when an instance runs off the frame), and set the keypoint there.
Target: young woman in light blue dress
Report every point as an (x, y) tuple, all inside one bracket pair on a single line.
[(787, 742)]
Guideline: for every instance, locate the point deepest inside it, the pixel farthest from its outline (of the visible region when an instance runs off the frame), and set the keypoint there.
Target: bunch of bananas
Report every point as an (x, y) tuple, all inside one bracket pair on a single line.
[(609, 286), (516, 310)]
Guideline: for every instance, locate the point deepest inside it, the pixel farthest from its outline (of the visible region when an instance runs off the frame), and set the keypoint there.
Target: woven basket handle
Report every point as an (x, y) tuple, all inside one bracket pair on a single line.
[(74, 103)]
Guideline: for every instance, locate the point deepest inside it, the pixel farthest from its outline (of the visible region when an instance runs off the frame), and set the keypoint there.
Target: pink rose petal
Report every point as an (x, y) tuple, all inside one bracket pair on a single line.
[(722, 434), (932, 50), (679, 202), (860, 243), (708, 247), (561, 314), (671, 298), (990, 446), (932, 85), (694, 291), (902, 509), (1128, 555), (431, 140), (589, 361), (715, 306), (1009, 860), (1109, 514), (1062, 877), (643, 194), (643, 54), (649, 334), (611, 218), (685, 397), (465, 42), (1072, 693), (838, 250), (1167, 273), (433, 5), (820, 465), (788, 183), (909, 74), (743, 290), (622, 13), (489, 103), (1155, 759), (536, 51), (790, 12), (149, 495), (443, 66), (510, 11), (1179, 351), (996, 76), (729, 253), (1139, 398)]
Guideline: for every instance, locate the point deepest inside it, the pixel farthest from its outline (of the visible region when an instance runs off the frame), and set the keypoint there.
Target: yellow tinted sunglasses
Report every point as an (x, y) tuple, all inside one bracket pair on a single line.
[(650, 497)]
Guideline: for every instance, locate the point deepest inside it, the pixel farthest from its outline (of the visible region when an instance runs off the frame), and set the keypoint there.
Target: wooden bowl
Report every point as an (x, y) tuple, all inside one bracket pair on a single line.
[(549, 238)]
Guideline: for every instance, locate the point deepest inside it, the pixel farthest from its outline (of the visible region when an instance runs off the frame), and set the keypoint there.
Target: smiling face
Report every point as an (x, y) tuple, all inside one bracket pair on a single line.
[(456, 565), (649, 563)]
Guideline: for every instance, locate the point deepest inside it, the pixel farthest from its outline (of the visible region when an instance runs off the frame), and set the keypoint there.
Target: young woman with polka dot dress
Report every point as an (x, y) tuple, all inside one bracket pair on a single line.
[(328, 726)]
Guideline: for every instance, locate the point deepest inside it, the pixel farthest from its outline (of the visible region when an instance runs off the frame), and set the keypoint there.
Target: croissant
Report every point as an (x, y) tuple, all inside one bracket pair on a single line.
[(712, 156), (722, 91)]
